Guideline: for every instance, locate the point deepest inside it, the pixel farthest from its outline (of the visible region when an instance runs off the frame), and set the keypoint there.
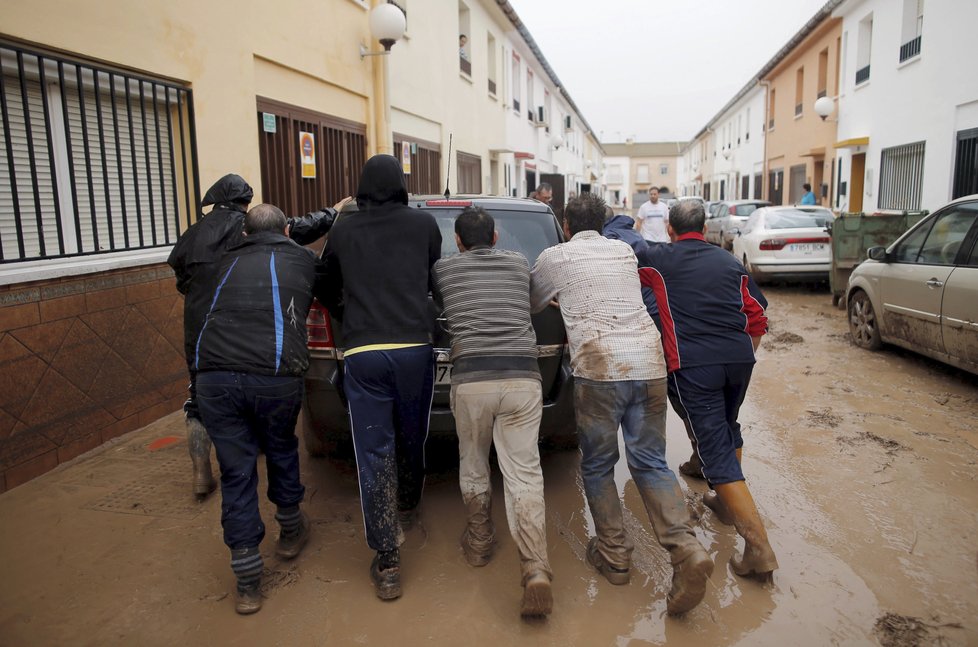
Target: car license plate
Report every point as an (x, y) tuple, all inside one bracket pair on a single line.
[(806, 248), (443, 373)]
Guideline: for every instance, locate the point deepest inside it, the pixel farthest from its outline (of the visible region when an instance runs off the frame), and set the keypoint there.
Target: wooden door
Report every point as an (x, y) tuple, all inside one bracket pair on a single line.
[(856, 183)]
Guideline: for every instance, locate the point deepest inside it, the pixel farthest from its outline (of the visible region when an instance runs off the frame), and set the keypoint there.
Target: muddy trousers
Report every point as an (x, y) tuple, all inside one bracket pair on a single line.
[(712, 396), (506, 413), (639, 408), (389, 393), (245, 414)]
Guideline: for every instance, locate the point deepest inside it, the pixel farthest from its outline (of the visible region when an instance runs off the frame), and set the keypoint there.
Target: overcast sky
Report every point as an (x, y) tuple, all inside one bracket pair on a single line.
[(658, 70)]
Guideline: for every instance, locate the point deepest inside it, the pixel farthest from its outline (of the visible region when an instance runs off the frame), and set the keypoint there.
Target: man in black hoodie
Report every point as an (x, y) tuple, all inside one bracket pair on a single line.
[(378, 273), (250, 358), (194, 260)]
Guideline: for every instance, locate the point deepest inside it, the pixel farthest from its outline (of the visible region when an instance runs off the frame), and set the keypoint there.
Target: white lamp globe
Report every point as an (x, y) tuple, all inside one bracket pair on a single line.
[(556, 140), (824, 107), (387, 24)]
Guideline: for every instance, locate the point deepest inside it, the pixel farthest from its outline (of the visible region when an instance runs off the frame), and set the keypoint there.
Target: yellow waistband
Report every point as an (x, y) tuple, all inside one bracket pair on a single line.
[(360, 349)]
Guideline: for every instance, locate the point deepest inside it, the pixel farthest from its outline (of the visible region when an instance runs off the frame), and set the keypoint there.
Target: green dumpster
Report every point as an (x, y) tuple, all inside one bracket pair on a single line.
[(854, 233)]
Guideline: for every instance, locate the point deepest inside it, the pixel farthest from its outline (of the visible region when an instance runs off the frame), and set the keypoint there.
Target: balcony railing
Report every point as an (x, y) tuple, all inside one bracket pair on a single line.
[(798, 109), (465, 65), (862, 75), (910, 49), (492, 86)]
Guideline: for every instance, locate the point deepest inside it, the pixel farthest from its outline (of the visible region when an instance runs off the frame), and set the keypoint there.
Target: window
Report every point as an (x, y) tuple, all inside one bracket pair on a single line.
[(838, 64), (92, 160), (614, 174), (799, 91), (770, 110), (901, 177), (937, 243), (864, 49), (491, 57), (823, 73), (663, 169), (464, 41), (642, 174), (517, 84), (913, 24), (529, 94), (469, 173), (966, 164), (546, 108), (747, 128)]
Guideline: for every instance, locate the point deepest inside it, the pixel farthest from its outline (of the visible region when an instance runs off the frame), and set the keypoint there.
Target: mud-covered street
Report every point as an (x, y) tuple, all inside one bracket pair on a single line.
[(863, 466)]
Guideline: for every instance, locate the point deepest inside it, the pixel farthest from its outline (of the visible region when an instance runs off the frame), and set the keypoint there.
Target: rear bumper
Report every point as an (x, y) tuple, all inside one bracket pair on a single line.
[(818, 270)]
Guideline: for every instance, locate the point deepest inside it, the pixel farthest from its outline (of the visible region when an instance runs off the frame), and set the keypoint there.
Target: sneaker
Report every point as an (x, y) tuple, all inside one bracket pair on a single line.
[(247, 600), (289, 547), (387, 582), (538, 599), (689, 578), (616, 576)]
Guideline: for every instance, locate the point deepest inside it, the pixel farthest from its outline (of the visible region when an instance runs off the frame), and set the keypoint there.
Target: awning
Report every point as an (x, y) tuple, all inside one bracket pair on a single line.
[(815, 152), (853, 142), (523, 156)]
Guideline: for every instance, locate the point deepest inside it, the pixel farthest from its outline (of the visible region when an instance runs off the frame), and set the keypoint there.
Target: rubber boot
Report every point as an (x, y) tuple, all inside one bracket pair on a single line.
[(758, 559), (479, 536), (199, 444)]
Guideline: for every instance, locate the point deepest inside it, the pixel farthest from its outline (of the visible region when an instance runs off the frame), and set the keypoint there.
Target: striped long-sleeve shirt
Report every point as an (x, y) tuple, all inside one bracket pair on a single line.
[(486, 297)]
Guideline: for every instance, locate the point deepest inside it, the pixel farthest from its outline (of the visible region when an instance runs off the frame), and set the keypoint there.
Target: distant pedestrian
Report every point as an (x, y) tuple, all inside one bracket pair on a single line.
[(652, 218), (809, 197), (545, 193), (251, 356), (713, 318), (496, 397), (194, 260), (378, 268), (619, 381)]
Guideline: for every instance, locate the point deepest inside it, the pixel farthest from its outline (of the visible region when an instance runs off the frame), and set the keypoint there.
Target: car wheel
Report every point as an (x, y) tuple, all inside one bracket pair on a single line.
[(863, 323)]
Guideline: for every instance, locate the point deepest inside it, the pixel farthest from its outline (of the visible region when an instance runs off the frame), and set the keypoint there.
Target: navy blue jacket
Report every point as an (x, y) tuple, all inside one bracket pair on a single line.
[(622, 227), (709, 305)]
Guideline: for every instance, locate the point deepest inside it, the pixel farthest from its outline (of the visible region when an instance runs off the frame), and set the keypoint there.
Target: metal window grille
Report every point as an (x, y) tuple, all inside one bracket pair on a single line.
[(425, 175), (966, 164), (910, 49), (862, 75), (92, 160), (901, 177)]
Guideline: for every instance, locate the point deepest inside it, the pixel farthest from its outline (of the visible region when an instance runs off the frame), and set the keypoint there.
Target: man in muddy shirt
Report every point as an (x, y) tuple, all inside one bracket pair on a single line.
[(619, 380)]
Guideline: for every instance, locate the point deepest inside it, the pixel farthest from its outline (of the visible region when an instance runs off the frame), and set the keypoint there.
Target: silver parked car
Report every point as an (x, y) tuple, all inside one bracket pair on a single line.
[(921, 292), (727, 215)]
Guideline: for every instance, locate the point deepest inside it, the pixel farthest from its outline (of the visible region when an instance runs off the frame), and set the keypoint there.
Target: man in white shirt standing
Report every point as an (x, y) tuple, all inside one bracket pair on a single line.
[(652, 218)]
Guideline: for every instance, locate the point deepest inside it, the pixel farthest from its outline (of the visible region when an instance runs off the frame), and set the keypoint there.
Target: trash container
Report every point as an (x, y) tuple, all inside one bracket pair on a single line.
[(853, 233)]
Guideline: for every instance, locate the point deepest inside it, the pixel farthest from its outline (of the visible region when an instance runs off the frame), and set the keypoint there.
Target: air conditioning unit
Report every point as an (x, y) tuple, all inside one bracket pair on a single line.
[(567, 122)]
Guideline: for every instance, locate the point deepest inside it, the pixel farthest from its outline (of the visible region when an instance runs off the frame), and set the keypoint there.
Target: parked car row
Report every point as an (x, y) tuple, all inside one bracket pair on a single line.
[(727, 215)]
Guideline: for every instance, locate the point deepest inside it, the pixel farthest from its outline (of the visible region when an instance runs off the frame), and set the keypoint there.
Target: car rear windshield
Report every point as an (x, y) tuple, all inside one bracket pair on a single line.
[(746, 209), (791, 219), (528, 233)]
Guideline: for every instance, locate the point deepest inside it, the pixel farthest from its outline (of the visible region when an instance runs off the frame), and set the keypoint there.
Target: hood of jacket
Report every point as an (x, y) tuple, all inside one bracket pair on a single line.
[(619, 222), (382, 181), (228, 190)]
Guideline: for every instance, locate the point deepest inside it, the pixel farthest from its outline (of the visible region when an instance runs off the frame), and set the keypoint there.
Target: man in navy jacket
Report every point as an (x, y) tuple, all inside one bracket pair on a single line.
[(712, 316)]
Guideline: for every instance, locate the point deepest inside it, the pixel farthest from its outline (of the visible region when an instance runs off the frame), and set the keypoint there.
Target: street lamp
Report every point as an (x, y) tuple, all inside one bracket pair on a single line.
[(556, 140), (824, 107), (387, 24)]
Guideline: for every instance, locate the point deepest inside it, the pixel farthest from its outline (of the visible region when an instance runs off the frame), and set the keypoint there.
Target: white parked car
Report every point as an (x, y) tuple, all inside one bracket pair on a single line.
[(785, 243), (921, 292)]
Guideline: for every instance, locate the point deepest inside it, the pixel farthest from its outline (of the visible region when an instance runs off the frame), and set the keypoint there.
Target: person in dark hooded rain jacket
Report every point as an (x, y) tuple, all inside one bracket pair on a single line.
[(378, 275), (194, 260)]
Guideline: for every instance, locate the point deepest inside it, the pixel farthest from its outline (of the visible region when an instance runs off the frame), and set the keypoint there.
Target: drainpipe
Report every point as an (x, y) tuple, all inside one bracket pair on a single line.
[(765, 189), (384, 142)]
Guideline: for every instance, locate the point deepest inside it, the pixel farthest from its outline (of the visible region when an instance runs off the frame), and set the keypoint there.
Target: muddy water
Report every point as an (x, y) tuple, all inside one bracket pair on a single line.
[(862, 464)]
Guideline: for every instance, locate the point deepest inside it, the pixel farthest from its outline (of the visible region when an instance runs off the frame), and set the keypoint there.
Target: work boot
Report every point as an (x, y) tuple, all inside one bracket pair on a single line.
[(616, 576), (689, 578), (247, 565), (199, 444), (713, 502), (247, 600), (385, 572), (479, 537), (294, 535), (692, 468), (538, 599), (758, 559)]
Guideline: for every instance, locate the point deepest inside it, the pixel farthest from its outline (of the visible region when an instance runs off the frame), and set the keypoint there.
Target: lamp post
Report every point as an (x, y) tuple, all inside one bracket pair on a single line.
[(387, 25)]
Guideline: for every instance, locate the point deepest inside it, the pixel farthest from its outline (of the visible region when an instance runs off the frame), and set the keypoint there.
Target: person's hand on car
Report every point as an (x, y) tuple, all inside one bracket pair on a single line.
[(342, 203)]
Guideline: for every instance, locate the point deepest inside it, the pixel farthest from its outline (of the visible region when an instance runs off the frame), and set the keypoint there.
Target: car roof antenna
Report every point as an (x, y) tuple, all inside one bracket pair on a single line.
[(448, 169)]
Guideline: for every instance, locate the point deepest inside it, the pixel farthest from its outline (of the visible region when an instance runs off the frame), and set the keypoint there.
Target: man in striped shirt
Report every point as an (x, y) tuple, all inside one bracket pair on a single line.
[(496, 397), (619, 380)]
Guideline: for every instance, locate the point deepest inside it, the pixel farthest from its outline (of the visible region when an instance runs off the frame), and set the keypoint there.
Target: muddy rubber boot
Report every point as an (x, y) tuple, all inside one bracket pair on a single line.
[(758, 559), (479, 537), (689, 578), (247, 565), (385, 573), (713, 502), (199, 444), (538, 598)]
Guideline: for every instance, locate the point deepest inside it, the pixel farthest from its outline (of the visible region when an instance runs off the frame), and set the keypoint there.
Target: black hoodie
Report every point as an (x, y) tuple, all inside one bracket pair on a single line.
[(378, 262)]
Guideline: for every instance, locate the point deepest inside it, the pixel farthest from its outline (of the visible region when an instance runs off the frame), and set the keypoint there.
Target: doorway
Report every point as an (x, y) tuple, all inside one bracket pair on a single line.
[(856, 176)]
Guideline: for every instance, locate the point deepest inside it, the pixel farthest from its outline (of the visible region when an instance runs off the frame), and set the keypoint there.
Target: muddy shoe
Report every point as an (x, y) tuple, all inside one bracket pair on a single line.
[(757, 562), (199, 444), (692, 468), (689, 578), (247, 600), (479, 554), (712, 501), (538, 599), (617, 576), (387, 582), (407, 518), (289, 546)]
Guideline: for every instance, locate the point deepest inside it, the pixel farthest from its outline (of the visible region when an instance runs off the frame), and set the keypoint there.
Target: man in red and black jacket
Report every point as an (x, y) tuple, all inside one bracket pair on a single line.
[(712, 316)]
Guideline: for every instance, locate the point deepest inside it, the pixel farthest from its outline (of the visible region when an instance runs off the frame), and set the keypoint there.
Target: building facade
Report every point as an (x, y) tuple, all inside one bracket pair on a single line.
[(632, 168)]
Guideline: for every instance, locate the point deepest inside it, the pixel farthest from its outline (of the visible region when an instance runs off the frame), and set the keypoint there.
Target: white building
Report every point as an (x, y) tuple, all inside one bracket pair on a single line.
[(908, 104)]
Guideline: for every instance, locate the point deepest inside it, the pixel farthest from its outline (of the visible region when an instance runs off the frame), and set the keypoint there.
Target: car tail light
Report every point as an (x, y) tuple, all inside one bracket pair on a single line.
[(448, 203), (775, 244), (733, 210), (318, 326)]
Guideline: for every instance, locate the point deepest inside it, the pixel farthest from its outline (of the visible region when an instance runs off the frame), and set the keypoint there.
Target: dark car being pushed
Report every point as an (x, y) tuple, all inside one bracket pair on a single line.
[(524, 226)]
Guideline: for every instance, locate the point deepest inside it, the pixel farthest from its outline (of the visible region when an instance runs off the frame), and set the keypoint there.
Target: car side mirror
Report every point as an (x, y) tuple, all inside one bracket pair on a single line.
[(876, 253)]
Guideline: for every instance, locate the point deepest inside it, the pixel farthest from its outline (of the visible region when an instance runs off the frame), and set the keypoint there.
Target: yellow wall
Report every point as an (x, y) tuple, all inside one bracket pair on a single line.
[(226, 52)]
